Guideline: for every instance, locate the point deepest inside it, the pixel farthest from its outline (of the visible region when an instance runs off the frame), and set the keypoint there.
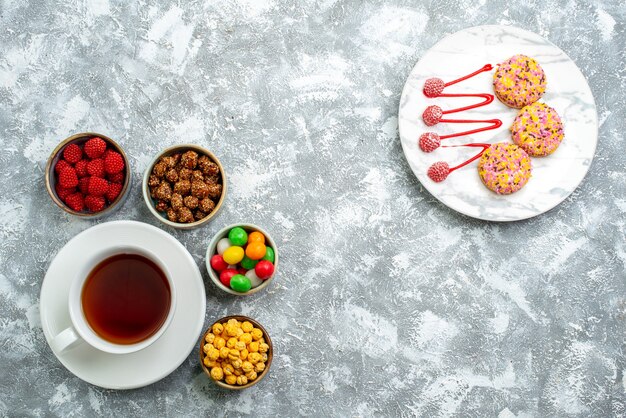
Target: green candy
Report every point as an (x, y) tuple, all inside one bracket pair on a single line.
[(248, 263), (269, 255), (240, 283), (238, 236)]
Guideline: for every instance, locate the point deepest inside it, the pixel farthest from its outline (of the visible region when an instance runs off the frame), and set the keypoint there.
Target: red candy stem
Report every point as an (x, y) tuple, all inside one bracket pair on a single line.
[(488, 98), (495, 124), (486, 67)]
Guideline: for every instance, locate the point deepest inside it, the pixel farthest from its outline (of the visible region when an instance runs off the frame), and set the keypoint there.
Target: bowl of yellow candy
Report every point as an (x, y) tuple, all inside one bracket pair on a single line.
[(236, 352)]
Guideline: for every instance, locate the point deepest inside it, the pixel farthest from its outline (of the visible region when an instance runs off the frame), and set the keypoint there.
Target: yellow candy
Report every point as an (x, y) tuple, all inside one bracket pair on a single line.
[(210, 337), (233, 255), (213, 354), (246, 366), (254, 358), (259, 367), (251, 375), (240, 345), (253, 347), (242, 380), (263, 348), (231, 379), (243, 354), (207, 348), (218, 328), (228, 369), (247, 326), (234, 322), (231, 342), (224, 352), (217, 373), (257, 334), (219, 343), (264, 357), (246, 338), (231, 330), (237, 364), (238, 372), (233, 354)]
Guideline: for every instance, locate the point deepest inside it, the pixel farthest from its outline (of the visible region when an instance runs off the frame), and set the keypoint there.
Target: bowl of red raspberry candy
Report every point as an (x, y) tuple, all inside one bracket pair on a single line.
[(88, 175)]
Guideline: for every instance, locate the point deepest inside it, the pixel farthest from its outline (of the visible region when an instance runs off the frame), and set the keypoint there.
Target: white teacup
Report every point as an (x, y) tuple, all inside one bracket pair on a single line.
[(81, 332)]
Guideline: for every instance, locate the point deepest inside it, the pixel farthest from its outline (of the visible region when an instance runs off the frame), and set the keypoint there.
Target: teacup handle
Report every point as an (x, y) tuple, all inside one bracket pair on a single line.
[(66, 339)]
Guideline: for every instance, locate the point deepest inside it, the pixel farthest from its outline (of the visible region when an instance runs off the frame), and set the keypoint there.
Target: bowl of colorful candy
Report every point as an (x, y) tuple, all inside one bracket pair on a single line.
[(236, 352), (242, 259), (88, 175)]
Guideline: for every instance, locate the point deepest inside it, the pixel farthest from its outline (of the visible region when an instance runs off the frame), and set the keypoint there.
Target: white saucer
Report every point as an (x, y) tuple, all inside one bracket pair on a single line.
[(554, 177), (126, 371)]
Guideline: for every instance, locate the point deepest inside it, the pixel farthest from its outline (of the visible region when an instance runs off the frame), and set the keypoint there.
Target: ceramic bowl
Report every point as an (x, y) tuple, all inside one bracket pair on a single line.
[(212, 250), (51, 178), (151, 203), (268, 363)]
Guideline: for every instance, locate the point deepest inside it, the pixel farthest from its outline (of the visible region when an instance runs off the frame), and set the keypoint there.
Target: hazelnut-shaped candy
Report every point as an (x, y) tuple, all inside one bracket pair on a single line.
[(184, 174), (189, 159), (191, 202), (185, 215), (182, 187), (177, 201), (153, 181), (159, 169), (214, 190), (206, 205), (163, 191), (161, 206), (171, 175), (199, 189)]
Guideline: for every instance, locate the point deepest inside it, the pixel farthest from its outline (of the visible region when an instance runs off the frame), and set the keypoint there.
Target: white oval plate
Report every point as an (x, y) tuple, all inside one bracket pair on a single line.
[(554, 177), (126, 371)]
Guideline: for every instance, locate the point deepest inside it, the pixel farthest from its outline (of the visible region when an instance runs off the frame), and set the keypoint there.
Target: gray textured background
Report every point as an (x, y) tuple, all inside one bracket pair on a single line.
[(387, 303)]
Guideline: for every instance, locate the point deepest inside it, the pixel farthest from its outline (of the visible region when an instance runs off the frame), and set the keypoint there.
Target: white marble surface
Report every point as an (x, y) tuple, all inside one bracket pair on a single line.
[(553, 177), (387, 302)]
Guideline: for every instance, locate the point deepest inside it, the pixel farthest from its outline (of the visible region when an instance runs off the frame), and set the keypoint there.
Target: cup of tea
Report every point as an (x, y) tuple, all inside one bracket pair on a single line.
[(121, 301)]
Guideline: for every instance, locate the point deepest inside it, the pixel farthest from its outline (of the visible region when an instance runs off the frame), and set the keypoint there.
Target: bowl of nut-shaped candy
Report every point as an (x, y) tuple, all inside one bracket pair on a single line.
[(236, 352), (184, 186)]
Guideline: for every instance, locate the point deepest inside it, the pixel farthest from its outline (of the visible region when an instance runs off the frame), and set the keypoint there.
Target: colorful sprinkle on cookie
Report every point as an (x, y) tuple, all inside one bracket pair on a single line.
[(537, 129), (504, 168), (519, 81)]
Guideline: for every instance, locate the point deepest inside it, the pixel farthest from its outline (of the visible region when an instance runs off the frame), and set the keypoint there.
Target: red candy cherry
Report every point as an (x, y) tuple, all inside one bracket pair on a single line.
[(439, 171), (218, 263), (432, 115), (226, 275), (433, 87), (264, 269), (429, 141)]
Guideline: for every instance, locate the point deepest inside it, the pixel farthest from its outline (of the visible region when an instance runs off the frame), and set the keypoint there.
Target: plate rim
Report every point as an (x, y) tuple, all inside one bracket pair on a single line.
[(474, 216), (199, 326)]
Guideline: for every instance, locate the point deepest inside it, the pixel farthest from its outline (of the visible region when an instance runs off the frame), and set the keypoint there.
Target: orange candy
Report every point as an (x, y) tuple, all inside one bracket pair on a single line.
[(255, 250), (256, 236)]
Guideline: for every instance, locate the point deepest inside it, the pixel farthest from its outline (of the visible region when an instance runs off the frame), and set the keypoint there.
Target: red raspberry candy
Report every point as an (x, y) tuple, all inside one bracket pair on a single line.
[(94, 203), (113, 162), (63, 192), (95, 147), (116, 177), (433, 87), (113, 192), (75, 202), (83, 185), (429, 141), (60, 165), (68, 178), (432, 115), (72, 153), (95, 167), (439, 171), (98, 186), (81, 168)]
